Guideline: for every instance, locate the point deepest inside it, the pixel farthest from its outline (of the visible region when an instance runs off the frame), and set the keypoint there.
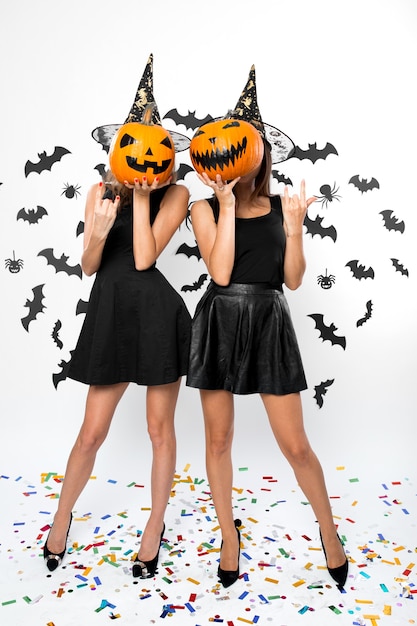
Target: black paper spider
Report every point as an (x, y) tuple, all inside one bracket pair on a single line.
[(329, 194), (14, 265), (71, 191), (326, 282)]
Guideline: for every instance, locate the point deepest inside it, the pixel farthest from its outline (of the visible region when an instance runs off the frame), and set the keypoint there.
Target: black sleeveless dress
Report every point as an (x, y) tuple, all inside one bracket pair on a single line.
[(242, 338), (137, 327)]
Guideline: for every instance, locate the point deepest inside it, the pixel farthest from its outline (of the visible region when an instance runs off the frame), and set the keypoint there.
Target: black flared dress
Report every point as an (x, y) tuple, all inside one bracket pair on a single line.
[(243, 339), (137, 327)]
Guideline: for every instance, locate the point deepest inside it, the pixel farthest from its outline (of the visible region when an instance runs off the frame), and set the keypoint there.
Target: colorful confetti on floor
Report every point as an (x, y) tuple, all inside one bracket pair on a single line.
[(283, 582)]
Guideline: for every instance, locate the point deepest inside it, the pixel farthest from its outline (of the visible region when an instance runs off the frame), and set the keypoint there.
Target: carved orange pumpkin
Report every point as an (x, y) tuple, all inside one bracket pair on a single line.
[(228, 147), (142, 149)]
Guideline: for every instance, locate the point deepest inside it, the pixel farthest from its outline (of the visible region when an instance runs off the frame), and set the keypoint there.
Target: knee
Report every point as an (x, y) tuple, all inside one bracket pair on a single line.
[(299, 454), (161, 434), (219, 444), (90, 440)]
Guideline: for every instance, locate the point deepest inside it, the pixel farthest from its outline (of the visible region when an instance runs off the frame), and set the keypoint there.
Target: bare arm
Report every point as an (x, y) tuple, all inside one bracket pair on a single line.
[(216, 241), (294, 210), (99, 218), (150, 240)]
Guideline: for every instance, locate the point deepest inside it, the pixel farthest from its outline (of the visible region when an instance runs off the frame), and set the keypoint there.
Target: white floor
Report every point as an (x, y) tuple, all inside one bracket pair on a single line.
[(283, 581)]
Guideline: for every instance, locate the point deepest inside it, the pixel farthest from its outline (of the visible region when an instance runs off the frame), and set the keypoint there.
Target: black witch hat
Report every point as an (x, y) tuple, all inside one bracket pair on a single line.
[(247, 109), (144, 97)]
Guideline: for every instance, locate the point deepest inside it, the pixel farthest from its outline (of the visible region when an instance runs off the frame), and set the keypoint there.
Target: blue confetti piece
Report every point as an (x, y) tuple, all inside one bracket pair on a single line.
[(303, 610), (246, 555), (405, 511), (263, 599), (387, 503), (255, 619), (364, 574), (80, 577), (113, 482), (106, 516), (97, 580), (243, 595), (189, 607), (96, 530)]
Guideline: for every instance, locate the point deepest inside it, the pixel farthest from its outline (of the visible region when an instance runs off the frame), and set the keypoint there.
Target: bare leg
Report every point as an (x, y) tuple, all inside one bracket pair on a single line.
[(161, 401), (218, 413), (286, 419), (100, 407)]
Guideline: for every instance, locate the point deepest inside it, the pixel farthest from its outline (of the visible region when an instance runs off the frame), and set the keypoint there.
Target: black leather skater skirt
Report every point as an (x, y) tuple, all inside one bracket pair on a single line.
[(243, 341)]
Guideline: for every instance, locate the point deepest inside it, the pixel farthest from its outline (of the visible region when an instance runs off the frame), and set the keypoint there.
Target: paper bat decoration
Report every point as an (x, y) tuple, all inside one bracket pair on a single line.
[(196, 285), (183, 170), (64, 365), (313, 153), (60, 264), (189, 251), (314, 227), (80, 228), (321, 390), (35, 306), (359, 270), (55, 334), (399, 267), (31, 215), (190, 121), (327, 332), (391, 222), (101, 169), (281, 178), (82, 307), (45, 161), (362, 183), (367, 315)]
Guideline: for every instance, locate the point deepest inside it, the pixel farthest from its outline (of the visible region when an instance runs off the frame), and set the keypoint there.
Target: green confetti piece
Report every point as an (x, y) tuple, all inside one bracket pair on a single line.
[(243, 469), (131, 484), (335, 609), (115, 548), (273, 597), (167, 580), (8, 602), (353, 480), (254, 501), (284, 553), (27, 599)]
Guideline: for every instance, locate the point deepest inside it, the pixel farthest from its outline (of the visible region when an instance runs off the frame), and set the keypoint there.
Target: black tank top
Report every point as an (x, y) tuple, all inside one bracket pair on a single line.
[(259, 246)]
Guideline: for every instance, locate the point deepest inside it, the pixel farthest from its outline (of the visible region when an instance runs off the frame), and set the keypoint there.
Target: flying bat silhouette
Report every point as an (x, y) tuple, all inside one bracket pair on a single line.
[(359, 270), (82, 307), (327, 332), (55, 334), (60, 264), (313, 153), (196, 285), (189, 251), (391, 222), (59, 376), (399, 267), (101, 169), (367, 315), (281, 178), (35, 306), (31, 215), (190, 121), (314, 227), (362, 183), (321, 390), (183, 170), (80, 228), (45, 161)]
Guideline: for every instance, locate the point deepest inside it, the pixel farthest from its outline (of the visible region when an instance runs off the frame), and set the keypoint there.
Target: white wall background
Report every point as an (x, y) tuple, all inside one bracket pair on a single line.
[(327, 71)]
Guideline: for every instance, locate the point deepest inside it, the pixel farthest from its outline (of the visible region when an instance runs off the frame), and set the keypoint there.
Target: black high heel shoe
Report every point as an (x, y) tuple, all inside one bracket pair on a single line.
[(54, 560), (339, 574), (146, 569), (228, 577)]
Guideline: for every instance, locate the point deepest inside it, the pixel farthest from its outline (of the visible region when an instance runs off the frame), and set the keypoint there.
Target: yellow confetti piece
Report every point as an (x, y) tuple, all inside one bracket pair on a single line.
[(186, 468), (387, 610), (371, 617), (254, 521), (308, 565), (399, 548), (364, 601), (87, 571), (237, 490), (145, 508), (298, 583), (387, 562), (340, 467), (195, 582), (410, 566), (397, 561), (354, 503), (272, 580), (247, 621)]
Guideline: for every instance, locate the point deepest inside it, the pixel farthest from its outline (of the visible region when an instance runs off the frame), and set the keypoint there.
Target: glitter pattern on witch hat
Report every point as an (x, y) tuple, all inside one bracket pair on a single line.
[(143, 98), (247, 109)]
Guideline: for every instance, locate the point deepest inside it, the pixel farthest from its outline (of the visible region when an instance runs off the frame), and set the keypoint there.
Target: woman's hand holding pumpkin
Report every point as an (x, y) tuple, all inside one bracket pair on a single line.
[(142, 188), (223, 191)]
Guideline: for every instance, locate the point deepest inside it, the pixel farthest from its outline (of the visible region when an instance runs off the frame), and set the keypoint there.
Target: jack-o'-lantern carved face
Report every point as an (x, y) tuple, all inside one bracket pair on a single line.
[(228, 147), (142, 149)]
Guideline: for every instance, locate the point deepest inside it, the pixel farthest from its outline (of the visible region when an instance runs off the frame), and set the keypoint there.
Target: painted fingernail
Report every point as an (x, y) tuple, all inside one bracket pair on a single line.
[(157, 179), (144, 178), (100, 184), (136, 180)]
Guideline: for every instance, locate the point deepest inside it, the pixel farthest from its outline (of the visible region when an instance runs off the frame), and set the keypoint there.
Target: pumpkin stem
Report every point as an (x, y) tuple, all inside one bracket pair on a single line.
[(147, 114)]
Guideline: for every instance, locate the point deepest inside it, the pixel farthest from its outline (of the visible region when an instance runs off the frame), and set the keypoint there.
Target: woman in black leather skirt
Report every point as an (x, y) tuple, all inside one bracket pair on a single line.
[(243, 341)]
